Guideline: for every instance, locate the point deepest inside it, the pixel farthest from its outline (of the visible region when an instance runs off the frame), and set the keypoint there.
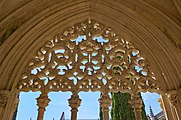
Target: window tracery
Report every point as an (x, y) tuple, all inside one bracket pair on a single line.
[(88, 56)]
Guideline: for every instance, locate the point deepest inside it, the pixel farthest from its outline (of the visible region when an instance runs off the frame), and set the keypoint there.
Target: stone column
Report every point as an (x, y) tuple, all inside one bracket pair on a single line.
[(167, 108), (42, 102), (136, 104), (74, 103), (175, 101), (3, 102), (174, 114), (105, 103)]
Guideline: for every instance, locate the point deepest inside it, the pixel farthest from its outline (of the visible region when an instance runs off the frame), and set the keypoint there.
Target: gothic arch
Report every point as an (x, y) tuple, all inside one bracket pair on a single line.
[(156, 35), (88, 56)]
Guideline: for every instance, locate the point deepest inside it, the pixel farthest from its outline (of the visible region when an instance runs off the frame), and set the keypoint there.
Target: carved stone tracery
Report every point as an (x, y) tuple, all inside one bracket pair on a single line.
[(88, 56)]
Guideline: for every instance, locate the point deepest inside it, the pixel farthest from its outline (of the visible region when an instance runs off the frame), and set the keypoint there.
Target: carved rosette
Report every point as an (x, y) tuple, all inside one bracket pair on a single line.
[(88, 56)]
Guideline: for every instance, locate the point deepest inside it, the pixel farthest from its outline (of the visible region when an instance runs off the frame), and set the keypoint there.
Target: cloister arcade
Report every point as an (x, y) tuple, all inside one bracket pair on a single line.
[(88, 45)]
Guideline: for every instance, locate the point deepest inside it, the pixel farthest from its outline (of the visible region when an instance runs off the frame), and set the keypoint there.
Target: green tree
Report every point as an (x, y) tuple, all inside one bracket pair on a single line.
[(100, 113), (121, 109)]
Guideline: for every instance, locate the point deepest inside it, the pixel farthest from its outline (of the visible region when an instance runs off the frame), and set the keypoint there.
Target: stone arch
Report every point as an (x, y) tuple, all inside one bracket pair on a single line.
[(88, 56), (125, 29), (131, 19)]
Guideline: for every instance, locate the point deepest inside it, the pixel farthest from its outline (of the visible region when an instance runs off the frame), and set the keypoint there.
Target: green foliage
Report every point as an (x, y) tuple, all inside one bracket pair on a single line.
[(121, 109), (100, 113)]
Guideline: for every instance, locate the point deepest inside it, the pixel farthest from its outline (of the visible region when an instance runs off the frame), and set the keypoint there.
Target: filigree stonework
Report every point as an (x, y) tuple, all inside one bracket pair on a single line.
[(88, 56)]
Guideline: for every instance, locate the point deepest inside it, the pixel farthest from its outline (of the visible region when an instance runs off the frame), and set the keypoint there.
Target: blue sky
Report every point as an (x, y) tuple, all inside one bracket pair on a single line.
[(89, 108)]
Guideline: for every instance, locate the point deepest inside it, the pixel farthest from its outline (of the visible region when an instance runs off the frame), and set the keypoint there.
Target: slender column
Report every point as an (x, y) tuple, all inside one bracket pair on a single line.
[(105, 103), (174, 114), (175, 101), (74, 103), (167, 108), (42, 102), (136, 104)]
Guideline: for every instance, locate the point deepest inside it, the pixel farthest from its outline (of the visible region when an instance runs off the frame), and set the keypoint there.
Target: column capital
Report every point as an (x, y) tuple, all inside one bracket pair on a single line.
[(174, 98), (136, 101), (42, 101), (74, 101), (105, 101), (4, 95)]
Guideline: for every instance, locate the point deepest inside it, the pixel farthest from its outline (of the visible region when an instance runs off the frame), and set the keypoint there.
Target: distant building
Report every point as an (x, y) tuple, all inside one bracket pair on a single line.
[(62, 116), (159, 116)]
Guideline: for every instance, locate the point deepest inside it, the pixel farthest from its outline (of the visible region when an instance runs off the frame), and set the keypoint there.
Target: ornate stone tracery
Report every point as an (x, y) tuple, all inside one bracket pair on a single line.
[(88, 56)]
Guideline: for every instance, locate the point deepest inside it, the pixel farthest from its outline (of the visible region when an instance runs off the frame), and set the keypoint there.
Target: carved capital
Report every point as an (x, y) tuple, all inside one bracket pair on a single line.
[(4, 95), (136, 101), (74, 102), (42, 101), (174, 98), (105, 101)]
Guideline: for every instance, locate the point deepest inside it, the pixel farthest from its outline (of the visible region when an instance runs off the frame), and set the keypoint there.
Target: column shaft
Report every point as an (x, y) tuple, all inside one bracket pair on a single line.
[(105, 103), (74, 103), (42, 102), (167, 108), (174, 98), (136, 104)]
